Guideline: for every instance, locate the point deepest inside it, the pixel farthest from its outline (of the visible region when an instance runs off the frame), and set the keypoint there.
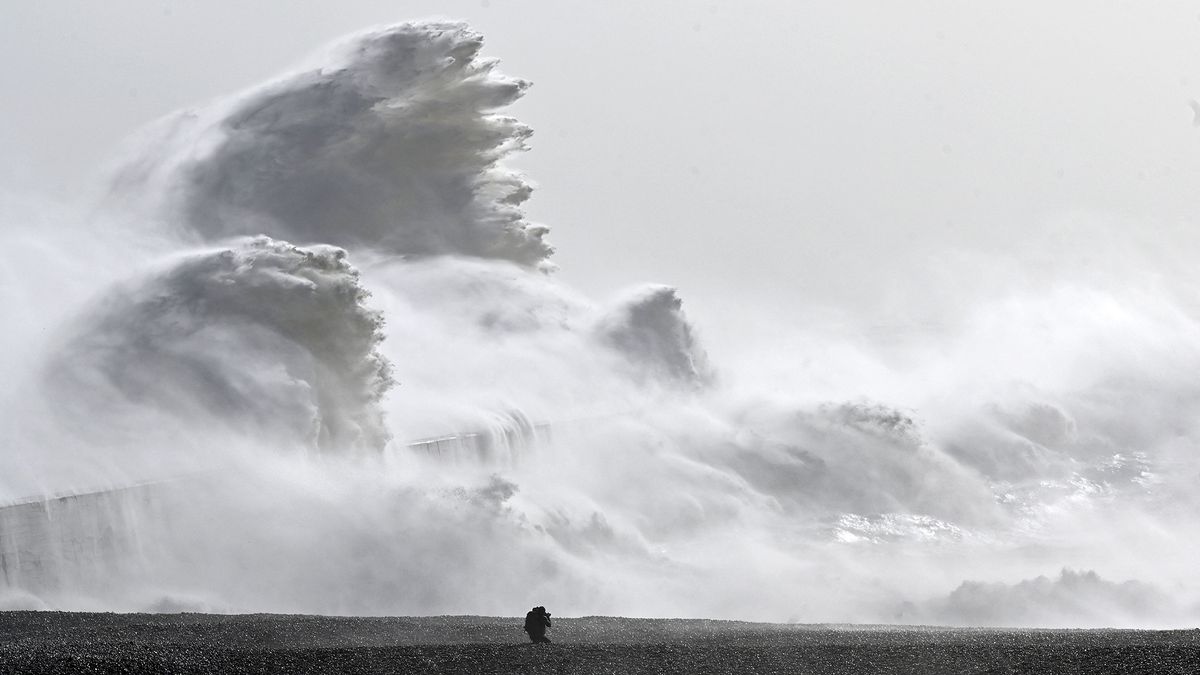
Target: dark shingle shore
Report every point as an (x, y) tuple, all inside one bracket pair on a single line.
[(61, 642)]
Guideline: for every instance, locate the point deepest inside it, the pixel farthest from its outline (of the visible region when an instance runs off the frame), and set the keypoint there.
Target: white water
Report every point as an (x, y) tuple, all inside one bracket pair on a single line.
[(286, 289)]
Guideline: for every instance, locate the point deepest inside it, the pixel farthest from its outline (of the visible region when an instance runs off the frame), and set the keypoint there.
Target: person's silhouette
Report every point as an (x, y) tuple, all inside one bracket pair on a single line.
[(536, 623)]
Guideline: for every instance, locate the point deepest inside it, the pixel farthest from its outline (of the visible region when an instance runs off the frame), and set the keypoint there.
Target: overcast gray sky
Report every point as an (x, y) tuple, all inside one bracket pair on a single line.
[(753, 153)]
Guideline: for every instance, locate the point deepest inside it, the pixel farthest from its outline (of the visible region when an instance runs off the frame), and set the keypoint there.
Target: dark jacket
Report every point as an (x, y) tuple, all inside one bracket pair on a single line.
[(536, 622)]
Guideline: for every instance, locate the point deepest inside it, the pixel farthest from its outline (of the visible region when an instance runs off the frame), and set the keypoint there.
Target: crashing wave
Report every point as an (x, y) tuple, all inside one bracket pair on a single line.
[(621, 470), (649, 329), (392, 144), (258, 335)]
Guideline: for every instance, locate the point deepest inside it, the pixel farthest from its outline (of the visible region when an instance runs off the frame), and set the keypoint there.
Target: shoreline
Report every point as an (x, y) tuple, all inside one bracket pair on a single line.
[(68, 642)]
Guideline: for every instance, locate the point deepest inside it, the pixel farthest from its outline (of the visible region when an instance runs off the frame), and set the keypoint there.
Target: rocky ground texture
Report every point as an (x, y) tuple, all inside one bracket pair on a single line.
[(59, 642)]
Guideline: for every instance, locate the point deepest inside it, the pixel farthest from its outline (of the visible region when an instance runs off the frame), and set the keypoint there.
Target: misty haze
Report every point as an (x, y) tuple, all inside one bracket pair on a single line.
[(793, 316)]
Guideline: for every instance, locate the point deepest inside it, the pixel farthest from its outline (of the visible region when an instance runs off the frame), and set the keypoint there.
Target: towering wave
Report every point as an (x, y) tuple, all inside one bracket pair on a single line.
[(392, 143)]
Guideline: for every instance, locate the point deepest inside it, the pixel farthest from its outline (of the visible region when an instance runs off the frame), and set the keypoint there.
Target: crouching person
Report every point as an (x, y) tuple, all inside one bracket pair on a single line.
[(536, 623)]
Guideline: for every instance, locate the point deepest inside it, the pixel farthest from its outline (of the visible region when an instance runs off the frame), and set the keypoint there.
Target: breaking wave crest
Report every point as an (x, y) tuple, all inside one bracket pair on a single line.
[(392, 143), (261, 335), (649, 327)]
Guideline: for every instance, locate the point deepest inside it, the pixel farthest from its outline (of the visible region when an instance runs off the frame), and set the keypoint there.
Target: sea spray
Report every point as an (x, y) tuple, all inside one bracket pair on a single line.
[(392, 142), (239, 369), (261, 335)]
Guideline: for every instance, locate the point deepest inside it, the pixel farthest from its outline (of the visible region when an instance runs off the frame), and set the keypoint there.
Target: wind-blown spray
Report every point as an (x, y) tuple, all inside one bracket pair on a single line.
[(339, 376)]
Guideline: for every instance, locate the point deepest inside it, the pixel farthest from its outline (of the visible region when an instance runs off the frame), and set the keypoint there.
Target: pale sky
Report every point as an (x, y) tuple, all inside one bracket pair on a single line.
[(786, 154)]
